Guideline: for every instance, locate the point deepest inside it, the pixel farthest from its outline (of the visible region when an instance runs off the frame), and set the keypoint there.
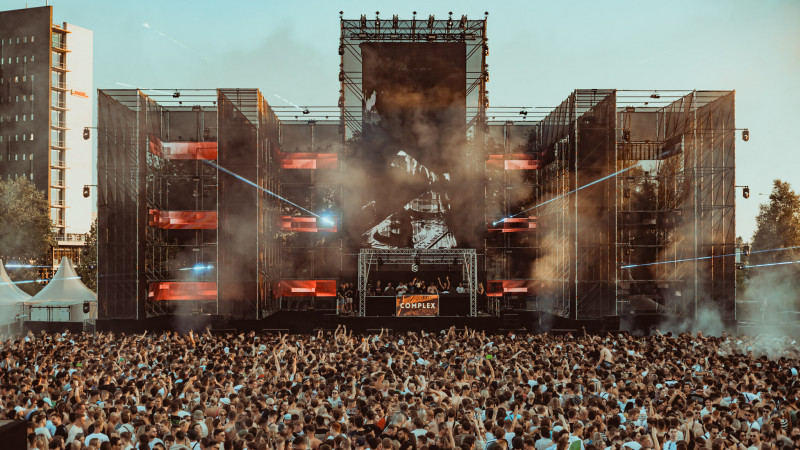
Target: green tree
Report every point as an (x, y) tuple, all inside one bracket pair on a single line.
[(25, 229), (87, 269), (777, 226)]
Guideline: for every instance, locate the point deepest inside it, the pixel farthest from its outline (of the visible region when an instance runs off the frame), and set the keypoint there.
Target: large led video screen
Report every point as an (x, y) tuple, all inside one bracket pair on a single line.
[(413, 181)]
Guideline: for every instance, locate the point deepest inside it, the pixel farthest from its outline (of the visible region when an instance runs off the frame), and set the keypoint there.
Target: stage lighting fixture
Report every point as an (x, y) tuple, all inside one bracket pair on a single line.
[(86, 134), (469, 36), (523, 113), (341, 49), (626, 135), (431, 37), (431, 18), (414, 267), (363, 21), (463, 22), (86, 192), (746, 250), (380, 262), (86, 307), (306, 111), (745, 135), (395, 21), (176, 94), (746, 192), (655, 95), (416, 260), (455, 261)]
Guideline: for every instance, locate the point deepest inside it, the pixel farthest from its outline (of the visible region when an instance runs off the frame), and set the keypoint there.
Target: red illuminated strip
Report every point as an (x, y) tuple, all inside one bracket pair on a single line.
[(496, 288), (304, 225), (514, 161), (183, 150), (307, 288), (182, 220), (513, 225), (182, 290), (308, 160)]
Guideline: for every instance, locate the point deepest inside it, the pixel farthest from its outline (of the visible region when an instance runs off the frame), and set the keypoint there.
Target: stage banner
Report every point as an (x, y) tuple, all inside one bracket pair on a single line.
[(417, 305)]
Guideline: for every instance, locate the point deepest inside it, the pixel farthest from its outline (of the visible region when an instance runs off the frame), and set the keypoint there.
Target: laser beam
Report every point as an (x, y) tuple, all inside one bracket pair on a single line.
[(23, 266), (287, 101), (568, 193), (772, 264), (241, 178), (38, 281), (707, 257)]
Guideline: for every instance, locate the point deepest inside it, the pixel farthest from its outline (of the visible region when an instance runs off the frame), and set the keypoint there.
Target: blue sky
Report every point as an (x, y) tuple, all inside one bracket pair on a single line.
[(539, 52)]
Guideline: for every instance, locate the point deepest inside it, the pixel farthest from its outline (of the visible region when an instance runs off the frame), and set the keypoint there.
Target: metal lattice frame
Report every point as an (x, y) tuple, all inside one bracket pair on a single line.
[(691, 168), (408, 256), (355, 32)]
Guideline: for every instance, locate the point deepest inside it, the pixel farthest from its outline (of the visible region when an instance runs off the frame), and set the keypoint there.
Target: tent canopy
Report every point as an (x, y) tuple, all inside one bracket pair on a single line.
[(65, 289), (10, 294)]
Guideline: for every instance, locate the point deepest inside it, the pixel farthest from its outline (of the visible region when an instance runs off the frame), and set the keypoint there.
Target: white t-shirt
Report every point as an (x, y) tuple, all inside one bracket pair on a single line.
[(101, 436)]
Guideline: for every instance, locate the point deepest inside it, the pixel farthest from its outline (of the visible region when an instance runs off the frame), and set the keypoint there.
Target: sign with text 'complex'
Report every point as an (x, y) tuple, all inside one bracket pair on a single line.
[(417, 305)]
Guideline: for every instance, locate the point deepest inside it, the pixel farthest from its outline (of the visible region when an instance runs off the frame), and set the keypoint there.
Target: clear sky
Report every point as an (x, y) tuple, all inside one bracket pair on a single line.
[(539, 52)]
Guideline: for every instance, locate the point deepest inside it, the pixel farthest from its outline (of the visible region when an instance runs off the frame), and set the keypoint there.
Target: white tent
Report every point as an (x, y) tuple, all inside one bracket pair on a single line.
[(11, 298), (63, 298)]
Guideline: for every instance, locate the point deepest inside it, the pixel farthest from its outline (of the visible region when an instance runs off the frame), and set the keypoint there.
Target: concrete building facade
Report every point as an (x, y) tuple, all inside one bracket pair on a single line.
[(45, 104)]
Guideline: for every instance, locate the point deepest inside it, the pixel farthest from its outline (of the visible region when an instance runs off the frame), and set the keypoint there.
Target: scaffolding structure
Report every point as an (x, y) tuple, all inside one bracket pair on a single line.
[(413, 259), (183, 226)]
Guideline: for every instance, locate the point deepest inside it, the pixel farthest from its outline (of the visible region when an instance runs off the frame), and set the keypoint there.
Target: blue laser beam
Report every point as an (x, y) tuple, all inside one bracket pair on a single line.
[(568, 193), (707, 257), (22, 266), (772, 264), (38, 281), (199, 267), (239, 177)]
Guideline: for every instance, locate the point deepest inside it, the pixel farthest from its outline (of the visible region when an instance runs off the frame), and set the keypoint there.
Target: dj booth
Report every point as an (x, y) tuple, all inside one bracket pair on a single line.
[(388, 306)]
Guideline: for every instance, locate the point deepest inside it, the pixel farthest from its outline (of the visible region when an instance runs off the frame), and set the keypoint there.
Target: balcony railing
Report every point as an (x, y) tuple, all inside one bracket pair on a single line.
[(58, 183), (60, 105), (60, 85), (58, 144), (59, 65), (60, 45), (60, 124), (58, 163)]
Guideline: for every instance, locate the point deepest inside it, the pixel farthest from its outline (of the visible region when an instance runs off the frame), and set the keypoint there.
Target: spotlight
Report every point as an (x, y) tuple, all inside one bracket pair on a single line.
[(430, 21), (745, 135), (524, 113), (380, 262), (746, 250), (395, 20), (86, 134), (626, 135), (86, 192), (746, 192), (341, 49), (176, 94), (306, 111), (414, 267), (86, 307), (655, 95)]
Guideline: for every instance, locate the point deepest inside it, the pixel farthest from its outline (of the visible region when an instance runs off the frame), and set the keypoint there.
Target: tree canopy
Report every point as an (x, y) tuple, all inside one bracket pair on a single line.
[(777, 226), (87, 269), (25, 227)]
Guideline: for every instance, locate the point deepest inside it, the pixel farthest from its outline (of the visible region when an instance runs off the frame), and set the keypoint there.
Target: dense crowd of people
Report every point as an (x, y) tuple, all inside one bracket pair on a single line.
[(457, 389)]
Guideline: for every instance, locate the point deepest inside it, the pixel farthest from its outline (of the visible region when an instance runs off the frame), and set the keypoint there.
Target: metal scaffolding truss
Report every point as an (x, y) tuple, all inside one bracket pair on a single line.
[(368, 257), (430, 30)]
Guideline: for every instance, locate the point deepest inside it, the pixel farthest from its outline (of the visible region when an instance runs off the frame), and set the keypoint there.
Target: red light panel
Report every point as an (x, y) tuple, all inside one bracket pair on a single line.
[(305, 225), (513, 225), (308, 160), (307, 288), (182, 291), (514, 161), (496, 288), (183, 150), (182, 220)]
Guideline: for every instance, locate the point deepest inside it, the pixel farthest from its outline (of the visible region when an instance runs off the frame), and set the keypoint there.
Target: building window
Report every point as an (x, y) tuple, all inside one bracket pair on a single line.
[(24, 78), (32, 38), (31, 139), (31, 100), (16, 118), (24, 99), (32, 56), (31, 157), (25, 58), (25, 39), (31, 76), (15, 157), (31, 113), (16, 79), (23, 156), (23, 118)]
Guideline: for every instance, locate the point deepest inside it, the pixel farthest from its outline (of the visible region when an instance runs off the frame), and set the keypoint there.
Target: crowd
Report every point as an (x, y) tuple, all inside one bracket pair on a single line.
[(459, 389)]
